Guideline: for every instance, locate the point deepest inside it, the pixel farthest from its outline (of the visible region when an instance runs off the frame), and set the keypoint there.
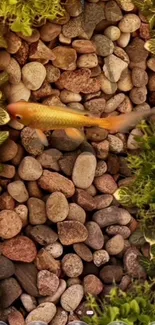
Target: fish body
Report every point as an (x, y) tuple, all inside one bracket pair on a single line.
[(46, 118)]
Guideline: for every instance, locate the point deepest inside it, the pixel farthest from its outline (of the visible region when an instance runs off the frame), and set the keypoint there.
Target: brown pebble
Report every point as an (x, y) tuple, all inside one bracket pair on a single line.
[(105, 184), (115, 245), (103, 201), (26, 274), (10, 224), (45, 261), (19, 156), (20, 248), (110, 273), (8, 150), (92, 285), (10, 291), (132, 265), (16, 318), (85, 200), (57, 207), (95, 237), (18, 191), (72, 265), (37, 211), (83, 251), (43, 235), (53, 182), (7, 268), (76, 213), (30, 169), (6, 202), (47, 283), (71, 232)]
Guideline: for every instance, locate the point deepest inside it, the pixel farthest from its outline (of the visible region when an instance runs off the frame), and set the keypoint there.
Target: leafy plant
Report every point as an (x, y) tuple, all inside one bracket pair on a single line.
[(23, 14), (147, 7), (135, 307)]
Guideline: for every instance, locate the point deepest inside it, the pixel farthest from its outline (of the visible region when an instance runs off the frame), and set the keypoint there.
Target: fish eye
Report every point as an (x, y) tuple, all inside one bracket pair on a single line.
[(18, 117)]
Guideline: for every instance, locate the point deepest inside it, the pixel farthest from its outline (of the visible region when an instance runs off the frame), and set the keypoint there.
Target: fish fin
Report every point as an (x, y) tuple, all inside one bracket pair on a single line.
[(124, 122), (42, 137), (71, 110), (75, 134)]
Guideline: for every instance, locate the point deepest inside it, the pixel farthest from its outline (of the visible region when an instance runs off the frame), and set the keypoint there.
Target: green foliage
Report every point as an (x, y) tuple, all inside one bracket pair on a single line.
[(23, 14), (135, 307), (147, 7)]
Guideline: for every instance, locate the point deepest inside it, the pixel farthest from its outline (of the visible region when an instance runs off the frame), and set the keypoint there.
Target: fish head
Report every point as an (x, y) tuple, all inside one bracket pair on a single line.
[(20, 112)]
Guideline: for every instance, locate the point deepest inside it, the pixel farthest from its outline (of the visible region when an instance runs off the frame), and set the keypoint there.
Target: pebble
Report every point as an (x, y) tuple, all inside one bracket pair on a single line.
[(92, 285), (114, 67), (52, 73), (103, 201), (101, 168), (31, 142), (85, 200), (76, 213), (104, 46), (47, 283), (37, 211), (14, 71), (34, 189), (83, 251), (26, 274), (72, 297), (65, 58), (100, 257), (102, 149), (20, 249), (67, 96), (49, 31), (89, 60), (55, 249), (30, 169), (72, 265), (113, 12), (129, 23), (54, 182), (43, 234), (95, 106), (111, 216), (67, 144), (57, 207), (28, 302), (115, 245), (136, 51), (8, 171), (10, 291), (45, 261), (79, 81), (114, 102), (151, 64), (83, 46), (138, 95), (107, 86), (13, 42), (44, 312), (8, 150), (55, 298), (139, 77), (124, 40), (105, 184), (16, 318), (115, 144), (112, 32), (10, 224), (50, 158), (71, 232), (124, 231), (125, 82), (95, 237), (84, 170), (18, 92), (18, 191), (131, 142), (60, 317), (132, 265), (4, 59), (111, 273), (19, 156), (22, 54), (33, 75), (7, 268), (96, 134)]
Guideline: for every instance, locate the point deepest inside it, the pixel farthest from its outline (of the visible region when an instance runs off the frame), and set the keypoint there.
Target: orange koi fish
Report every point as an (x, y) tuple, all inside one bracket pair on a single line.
[(45, 118)]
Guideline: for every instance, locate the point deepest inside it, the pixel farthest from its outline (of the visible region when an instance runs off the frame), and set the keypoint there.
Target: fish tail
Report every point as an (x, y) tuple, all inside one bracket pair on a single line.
[(124, 122)]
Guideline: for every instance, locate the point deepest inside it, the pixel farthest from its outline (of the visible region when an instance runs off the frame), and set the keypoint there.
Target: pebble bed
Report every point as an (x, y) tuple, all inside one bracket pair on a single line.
[(63, 234)]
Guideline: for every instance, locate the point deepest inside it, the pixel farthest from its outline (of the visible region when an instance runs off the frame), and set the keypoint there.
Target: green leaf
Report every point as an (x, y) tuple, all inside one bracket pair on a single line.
[(4, 117), (3, 78), (137, 238), (144, 319), (148, 265), (134, 306), (150, 45), (113, 312), (3, 136)]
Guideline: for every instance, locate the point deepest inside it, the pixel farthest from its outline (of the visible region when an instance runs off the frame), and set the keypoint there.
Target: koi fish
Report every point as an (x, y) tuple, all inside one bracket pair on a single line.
[(45, 118)]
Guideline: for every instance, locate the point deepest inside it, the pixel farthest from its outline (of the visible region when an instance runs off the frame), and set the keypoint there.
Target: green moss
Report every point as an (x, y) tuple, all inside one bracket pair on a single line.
[(23, 14), (135, 307)]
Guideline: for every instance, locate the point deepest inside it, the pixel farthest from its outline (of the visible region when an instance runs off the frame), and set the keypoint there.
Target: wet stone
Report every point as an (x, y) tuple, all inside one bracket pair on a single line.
[(6, 268), (26, 274), (10, 291)]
